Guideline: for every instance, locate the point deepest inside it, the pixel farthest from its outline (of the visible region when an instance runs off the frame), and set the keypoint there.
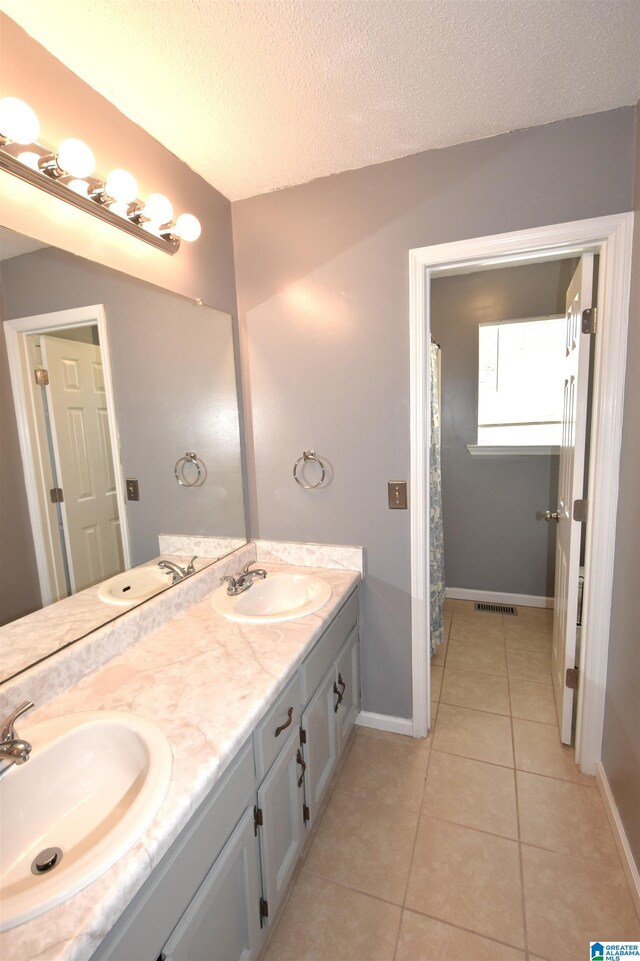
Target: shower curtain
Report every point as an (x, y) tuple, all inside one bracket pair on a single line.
[(436, 539)]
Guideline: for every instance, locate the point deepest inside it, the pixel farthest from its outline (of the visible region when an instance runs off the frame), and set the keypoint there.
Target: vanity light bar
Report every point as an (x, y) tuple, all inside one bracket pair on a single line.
[(37, 164)]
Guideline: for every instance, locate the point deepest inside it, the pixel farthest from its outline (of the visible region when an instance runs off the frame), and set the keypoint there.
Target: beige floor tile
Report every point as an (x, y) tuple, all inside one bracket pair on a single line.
[(484, 692), (425, 939), (323, 921), (475, 734), (565, 817), (532, 701), (570, 902), (528, 637), (472, 632), (436, 681), (529, 666), (539, 751), (364, 844), (472, 793), (535, 615), (486, 659), (434, 716), (469, 879), (390, 770)]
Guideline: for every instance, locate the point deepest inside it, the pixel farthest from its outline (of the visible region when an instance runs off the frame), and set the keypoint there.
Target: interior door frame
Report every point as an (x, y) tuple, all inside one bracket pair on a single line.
[(16, 332), (612, 238)]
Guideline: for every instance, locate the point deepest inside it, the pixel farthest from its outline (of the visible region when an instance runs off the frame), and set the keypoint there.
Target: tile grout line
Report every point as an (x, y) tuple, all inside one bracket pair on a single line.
[(403, 906), (520, 857)]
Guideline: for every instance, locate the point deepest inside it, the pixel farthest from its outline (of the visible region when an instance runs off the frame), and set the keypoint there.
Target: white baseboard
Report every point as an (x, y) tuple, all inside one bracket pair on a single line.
[(496, 597), (386, 722), (619, 834)]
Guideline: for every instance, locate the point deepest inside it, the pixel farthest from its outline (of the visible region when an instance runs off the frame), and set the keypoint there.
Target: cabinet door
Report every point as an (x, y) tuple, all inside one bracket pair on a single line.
[(348, 681), (222, 922), (321, 742), (280, 801)]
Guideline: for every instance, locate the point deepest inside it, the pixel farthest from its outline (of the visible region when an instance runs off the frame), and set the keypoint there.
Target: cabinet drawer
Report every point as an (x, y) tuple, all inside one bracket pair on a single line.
[(277, 724), (326, 650)]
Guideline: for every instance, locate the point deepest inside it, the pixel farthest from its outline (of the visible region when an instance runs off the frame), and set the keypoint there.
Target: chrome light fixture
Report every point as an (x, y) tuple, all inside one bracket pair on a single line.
[(69, 174)]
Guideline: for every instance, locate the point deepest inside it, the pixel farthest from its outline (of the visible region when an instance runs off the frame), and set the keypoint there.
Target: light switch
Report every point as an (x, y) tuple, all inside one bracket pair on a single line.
[(397, 491), (133, 490)]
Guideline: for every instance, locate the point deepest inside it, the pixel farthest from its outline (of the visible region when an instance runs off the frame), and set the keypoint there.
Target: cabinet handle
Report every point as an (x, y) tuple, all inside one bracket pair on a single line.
[(342, 684), (286, 724), (340, 695), (303, 765)]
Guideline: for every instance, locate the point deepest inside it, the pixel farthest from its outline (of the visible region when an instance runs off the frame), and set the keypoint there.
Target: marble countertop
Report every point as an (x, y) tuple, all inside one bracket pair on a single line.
[(206, 682)]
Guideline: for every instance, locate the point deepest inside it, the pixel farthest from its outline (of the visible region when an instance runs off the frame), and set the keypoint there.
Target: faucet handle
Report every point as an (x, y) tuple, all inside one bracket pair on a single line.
[(8, 732), (190, 568)]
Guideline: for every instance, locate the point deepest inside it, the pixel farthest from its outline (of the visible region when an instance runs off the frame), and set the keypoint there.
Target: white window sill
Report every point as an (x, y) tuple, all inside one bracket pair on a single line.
[(505, 450)]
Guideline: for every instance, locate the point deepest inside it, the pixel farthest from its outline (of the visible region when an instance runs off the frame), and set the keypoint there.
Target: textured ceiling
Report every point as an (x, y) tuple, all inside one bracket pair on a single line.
[(260, 95)]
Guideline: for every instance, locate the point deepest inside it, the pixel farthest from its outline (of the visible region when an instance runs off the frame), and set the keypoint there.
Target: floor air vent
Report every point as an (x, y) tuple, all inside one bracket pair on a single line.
[(496, 608)]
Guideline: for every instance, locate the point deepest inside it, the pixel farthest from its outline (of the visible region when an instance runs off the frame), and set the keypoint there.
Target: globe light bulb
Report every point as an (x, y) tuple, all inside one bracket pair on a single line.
[(75, 158), (122, 186), (18, 122), (187, 227), (29, 159), (120, 208), (79, 186), (158, 209)]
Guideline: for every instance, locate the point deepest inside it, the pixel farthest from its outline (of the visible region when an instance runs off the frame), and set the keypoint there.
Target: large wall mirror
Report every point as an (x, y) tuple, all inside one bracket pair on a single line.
[(164, 371)]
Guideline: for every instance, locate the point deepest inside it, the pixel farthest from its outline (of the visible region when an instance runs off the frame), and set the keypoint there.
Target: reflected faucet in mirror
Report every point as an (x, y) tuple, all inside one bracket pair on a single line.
[(178, 572)]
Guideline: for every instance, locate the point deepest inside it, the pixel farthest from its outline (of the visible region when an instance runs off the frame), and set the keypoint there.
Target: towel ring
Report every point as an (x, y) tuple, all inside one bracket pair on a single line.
[(179, 470), (306, 456)]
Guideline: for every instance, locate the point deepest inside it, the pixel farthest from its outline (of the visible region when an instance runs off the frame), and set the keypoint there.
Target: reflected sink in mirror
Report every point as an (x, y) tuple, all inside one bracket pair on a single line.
[(279, 597), (131, 587), (91, 787)]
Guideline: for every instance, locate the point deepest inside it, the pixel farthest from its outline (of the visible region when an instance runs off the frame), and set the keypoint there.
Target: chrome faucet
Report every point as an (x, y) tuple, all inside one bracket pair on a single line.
[(13, 750), (243, 581), (179, 573)]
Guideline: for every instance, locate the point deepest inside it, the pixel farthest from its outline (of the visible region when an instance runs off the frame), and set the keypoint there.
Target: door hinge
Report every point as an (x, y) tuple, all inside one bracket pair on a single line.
[(56, 495), (305, 813), (258, 820), (42, 376), (571, 678), (580, 510), (264, 911), (303, 736), (589, 320)]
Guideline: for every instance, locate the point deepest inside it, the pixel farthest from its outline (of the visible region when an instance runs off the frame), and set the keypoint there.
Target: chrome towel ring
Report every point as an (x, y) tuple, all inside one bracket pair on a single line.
[(181, 467), (308, 455)]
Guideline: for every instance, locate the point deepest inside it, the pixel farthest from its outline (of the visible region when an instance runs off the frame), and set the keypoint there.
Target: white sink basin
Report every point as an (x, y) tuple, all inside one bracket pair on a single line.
[(279, 597), (91, 787), (134, 586)]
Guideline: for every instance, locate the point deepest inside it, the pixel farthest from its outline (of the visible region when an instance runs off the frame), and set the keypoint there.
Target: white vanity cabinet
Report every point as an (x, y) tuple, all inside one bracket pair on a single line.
[(219, 886)]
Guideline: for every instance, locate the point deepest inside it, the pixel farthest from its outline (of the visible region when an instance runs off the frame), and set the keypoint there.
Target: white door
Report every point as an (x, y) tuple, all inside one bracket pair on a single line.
[(82, 451), (570, 489)]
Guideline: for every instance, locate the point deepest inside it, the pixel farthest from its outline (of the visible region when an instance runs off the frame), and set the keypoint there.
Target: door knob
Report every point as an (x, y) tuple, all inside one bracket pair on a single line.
[(552, 516)]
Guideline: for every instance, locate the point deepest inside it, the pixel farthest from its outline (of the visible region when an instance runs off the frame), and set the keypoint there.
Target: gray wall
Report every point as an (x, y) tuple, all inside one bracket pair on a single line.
[(174, 384), (494, 535), (322, 275), (621, 740)]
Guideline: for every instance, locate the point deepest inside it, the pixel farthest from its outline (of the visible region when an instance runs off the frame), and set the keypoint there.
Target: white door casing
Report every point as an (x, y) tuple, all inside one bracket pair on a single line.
[(570, 489), (612, 237), (36, 486), (84, 464)]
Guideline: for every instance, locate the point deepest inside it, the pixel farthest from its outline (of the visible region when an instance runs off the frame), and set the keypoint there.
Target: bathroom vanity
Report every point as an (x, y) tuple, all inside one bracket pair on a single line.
[(257, 716)]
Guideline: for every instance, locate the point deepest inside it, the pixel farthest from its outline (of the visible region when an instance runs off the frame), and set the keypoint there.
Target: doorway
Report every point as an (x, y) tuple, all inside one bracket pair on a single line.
[(61, 381), (610, 237)]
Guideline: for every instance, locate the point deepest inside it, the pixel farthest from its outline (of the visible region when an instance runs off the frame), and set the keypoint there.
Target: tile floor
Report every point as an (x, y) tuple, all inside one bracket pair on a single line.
[(482, 842)]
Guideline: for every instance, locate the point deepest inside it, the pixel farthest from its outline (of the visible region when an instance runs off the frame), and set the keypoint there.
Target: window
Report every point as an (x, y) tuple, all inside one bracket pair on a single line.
[(520, 378)]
